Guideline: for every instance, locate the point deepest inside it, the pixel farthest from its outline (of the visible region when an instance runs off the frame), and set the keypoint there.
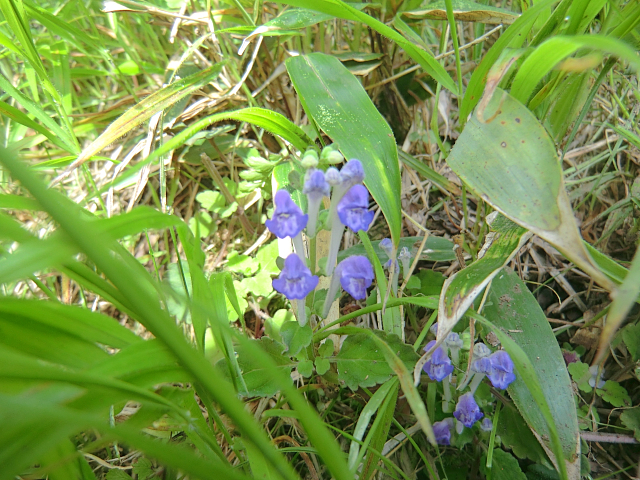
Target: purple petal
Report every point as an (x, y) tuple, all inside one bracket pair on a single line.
[(332, 176), (352, 173), (386, 246), (295, 281), (353, 209), (501, 371), (442, 431), (467, 411), (486, 425), (356, 275), (288, 220), (316, 185), (438, 367)]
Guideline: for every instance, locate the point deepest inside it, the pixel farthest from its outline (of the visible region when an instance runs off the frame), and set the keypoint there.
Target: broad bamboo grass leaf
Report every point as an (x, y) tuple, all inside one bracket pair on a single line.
[(461, 289), (527, 373), (512, 37), (511, 162), (336, 101), (340, 9), (512, 308), (134, 284), (464, 11), (273, 122), (548, 54), (626, 296), (17, 202), (35, 425), (143, 111)]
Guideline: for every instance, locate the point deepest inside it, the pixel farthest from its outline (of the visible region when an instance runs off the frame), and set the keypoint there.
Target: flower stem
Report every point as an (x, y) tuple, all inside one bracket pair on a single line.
[(300, 307), (298, 246), (447, 395), (334, 285), (313, 210), (475, 383), (334, 246)]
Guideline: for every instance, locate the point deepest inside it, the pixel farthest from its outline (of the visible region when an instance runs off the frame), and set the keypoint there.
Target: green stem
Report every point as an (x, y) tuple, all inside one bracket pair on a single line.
[(456, 46)]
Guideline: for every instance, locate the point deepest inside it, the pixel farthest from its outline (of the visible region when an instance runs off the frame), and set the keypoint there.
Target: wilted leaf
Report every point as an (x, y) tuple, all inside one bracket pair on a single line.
[(463, 10)]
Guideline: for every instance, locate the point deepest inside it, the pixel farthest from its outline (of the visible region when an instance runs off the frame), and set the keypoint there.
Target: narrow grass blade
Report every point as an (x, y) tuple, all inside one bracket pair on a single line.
[(143, 111), (512, 37), (626, 296), (65, 138), (335, 99), (136, 286), (17, 116), (464, 11), (546, 56), (340, 9)]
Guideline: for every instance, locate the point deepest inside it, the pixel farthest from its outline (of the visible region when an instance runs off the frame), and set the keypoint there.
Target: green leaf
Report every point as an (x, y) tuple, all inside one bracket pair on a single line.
[(336, 101), (512, 37), (436, 249), (295, 337), (361, 363), (542, 389), (322, 365), (143, 111), (580, 374), (305, 368), (118, 475), (465, 11), (516, 435), (557, 48), (143, 468), (631, 337), (511, 162), (504, 467), (243, 264), (259, 382), (615, 394), (631, 419), (461, 289), (341, 9)]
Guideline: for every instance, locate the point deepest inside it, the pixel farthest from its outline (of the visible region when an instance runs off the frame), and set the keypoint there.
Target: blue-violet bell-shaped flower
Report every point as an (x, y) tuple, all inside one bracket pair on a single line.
[(467, 411), (486, 425), (501, 372), (454, 343), (332, 176), (288, 220), (353, 209), (352, 173), (596, 380), (295, 281), (355, 274), (442, 431), (315, 188), (439, 365)]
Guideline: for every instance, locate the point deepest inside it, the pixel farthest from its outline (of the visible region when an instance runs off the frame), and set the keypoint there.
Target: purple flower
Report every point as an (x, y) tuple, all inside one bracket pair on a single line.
[(501, 371), (356, 275), (332, 176), (315, 185), (442, 431), (438, 366), (486, 425), (352, 173), (288, 220), (295, 281), (596, 381), (386, 246), (467, 411), (353, 209)]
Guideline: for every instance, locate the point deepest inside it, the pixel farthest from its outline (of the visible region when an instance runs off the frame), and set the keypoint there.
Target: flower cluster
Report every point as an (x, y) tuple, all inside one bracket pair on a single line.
[(443, 359), (349, 207)]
